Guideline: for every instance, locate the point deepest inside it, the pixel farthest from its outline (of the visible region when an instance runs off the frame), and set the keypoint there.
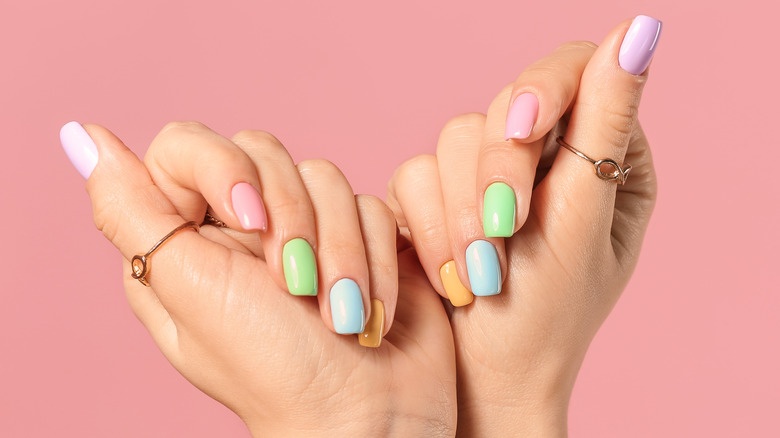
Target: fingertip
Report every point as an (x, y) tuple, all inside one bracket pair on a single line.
[(79, 147), (639, 44)]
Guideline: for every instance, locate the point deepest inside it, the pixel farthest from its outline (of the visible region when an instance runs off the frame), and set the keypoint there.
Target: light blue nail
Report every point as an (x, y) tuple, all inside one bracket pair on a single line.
[(484, 271), (346, 307)]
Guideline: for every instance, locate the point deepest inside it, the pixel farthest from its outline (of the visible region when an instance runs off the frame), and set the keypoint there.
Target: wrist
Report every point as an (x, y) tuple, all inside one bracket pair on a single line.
[(379, 424)]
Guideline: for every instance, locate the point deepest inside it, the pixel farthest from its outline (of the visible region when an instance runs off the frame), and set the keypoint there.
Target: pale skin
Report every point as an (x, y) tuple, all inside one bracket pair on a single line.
[(505, 365)]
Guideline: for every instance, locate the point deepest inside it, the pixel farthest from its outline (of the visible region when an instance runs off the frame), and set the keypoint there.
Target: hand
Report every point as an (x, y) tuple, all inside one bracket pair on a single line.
[(218, 305), (575, 238)]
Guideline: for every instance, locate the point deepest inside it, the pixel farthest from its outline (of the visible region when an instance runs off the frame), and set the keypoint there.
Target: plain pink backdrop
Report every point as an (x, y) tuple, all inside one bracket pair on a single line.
[(690, 350)]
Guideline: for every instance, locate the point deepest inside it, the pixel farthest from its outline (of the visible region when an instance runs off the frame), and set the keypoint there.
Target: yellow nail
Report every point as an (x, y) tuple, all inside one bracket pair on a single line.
[(456, 291), (372, 336)]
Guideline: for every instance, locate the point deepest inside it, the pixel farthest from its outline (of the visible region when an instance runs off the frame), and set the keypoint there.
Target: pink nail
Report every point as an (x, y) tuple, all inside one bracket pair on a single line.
[(79, 147), (521, 117), (249, 207)]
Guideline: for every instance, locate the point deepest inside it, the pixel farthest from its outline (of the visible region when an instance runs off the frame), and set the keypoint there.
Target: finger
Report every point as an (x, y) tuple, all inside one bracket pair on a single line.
[(378, 228), (483, 258), (290, 242), (542, 93), (341, 255), (634, 202), (507, 168), (134, 215), (415, 197), (196, 167), (603, 121)]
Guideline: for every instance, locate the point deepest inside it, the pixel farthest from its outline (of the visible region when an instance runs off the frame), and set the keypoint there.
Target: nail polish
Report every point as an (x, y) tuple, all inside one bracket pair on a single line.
[(639, 44), (248, 206), (79, 147), (372, 335), (499, 211), (300, 268), (483, 267), (458, 294), (346, 307), (522, 116)]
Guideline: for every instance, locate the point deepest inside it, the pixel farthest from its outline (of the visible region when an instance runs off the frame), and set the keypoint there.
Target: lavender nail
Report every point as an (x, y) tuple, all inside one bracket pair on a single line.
[(79, 147), (639, 44)]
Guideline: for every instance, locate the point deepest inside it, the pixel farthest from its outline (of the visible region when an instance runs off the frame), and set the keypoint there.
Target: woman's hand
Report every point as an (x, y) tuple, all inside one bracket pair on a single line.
[(572, 239), (219, 308)]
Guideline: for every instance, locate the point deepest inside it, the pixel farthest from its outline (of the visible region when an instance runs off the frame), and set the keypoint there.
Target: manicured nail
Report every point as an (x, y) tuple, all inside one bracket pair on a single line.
[(498, 211), (372, 335), (639, 44), (79, 147), (248, 206), (300, 269), (456, 291), (522, 116), (346, 307), (484, 271)]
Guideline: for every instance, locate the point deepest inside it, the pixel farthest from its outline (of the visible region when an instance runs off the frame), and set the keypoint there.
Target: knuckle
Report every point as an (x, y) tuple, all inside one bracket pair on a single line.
[(428, 238), (370, 204), (411, 171), (289, 205), (181, 127), (255, 138), (587, 46), (467, 122), (319, 166), (339, 250)]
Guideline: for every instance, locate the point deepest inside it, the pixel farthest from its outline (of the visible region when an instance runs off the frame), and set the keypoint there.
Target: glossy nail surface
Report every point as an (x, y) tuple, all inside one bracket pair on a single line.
[(300, 268), (522, 116), (484, 270), (498, 211), (79, 147), (346, 307), (639, 44), (458, 294), (248, 206), (372, 336)]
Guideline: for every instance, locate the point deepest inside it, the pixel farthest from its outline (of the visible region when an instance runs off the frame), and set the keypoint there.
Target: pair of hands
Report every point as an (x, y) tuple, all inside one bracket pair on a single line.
[(219, 308)]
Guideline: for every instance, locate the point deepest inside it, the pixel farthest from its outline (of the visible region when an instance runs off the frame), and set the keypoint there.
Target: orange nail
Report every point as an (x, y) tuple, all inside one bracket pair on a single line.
[(372, 335), (456, 291)]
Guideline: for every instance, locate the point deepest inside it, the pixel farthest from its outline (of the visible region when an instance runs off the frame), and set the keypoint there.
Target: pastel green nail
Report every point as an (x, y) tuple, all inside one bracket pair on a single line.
[(498, 211), (300, 269)]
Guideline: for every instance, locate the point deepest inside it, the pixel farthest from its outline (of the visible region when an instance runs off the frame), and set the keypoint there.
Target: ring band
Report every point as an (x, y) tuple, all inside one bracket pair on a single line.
[(618, 173), (140, 263)]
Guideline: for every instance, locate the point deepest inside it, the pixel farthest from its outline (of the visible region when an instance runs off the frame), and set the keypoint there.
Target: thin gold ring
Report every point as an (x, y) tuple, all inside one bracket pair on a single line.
[(618, 173), (141, 263)]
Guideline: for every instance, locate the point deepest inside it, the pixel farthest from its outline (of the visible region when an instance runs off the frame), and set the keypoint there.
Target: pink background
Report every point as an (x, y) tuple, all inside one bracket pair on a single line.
[(692, 347)]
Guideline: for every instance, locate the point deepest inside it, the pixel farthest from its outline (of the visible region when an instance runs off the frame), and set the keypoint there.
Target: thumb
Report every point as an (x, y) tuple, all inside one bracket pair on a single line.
[(134, 215)]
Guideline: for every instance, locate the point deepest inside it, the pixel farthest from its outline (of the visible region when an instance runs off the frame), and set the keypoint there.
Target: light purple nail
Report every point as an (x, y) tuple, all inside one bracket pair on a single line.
[(639, 44), (79, 147)]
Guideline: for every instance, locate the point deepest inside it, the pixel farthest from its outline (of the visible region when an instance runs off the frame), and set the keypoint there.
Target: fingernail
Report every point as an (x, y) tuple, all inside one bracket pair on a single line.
[(457, 293), (248, 206), (300, 269), (372, 335), (346, 307), (522, 116), (639, 44), (498, 211), (79, 147), (484, 271)]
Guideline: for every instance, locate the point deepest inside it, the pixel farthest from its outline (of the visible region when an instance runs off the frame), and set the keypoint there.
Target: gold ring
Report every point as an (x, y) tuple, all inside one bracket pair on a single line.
[(617, 173), (140, 263)]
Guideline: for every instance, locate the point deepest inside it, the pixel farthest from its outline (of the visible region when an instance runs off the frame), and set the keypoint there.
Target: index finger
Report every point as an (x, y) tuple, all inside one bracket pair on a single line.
[(517, 121)]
